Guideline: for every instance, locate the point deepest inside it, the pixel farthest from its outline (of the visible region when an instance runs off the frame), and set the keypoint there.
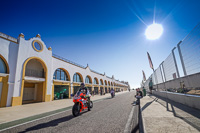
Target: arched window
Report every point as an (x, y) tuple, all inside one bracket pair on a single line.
[(77, 78), (60, 74), (101, 82), (105, 82), (34, 68), (3, 68), (95, 81), (87, 80)]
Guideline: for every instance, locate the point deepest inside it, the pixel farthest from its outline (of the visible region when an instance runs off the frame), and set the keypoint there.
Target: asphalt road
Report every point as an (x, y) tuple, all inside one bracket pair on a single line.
[(107, 116)]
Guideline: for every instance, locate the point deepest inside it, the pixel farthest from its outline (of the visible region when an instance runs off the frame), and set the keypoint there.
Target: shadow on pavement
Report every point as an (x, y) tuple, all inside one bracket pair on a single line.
[(181, 111), (110, 97), (52, 123), (147, 104), (135, 129), (189, 120)]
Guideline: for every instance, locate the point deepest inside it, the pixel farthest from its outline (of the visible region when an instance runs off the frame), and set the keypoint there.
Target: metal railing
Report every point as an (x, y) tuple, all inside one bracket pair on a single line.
[(68, 61), (7, 37), (108, 77), (96, 72)]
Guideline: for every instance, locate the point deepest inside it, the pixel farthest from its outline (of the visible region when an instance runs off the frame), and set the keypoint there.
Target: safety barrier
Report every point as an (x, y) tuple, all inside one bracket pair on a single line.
[(186, 99)]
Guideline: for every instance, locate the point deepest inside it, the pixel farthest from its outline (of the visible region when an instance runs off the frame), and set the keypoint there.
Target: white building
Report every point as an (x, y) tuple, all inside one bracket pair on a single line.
[(29, 73)]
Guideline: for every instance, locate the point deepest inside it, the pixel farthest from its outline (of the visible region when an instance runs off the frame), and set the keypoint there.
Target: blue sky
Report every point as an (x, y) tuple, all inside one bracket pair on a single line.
[(106, 34)]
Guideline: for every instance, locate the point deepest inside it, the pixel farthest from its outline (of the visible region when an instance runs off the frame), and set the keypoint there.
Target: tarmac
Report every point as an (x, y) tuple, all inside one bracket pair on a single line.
[(10, 114), (159, 115), (162, 115)]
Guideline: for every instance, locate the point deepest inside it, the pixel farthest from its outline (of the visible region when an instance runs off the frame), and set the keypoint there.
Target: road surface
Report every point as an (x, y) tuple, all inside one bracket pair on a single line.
[(111, 115)]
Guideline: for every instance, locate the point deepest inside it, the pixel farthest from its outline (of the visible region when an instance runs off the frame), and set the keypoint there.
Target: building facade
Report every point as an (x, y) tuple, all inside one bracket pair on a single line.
[(29, 73)]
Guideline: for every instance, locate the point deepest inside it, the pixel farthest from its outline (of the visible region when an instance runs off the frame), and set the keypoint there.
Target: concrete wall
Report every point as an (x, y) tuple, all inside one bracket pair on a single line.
[(189, 100), (190, 81)]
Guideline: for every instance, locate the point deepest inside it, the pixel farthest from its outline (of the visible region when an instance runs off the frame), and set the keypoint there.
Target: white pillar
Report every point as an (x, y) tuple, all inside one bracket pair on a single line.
[(71, 88)]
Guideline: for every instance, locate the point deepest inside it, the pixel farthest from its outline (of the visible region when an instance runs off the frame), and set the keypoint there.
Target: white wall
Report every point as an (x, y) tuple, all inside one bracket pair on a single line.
[(26, 51), (9, 51)]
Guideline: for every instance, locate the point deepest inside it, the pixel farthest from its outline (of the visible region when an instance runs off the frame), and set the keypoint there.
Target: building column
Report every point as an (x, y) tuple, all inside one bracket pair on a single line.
[(71, 89), (92, 90), (4, 91), (52, 98), (99, 90)]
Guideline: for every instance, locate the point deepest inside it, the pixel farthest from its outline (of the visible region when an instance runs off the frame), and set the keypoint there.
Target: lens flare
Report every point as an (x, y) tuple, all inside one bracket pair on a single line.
[(154, 31)]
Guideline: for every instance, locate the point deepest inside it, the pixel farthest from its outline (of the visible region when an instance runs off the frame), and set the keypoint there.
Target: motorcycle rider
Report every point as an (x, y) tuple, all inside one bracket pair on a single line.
[(112, 92), (86, 92)]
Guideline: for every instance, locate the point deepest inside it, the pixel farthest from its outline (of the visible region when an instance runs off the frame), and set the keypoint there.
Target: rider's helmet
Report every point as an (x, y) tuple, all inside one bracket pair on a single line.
[(82, 84), (84, 91)]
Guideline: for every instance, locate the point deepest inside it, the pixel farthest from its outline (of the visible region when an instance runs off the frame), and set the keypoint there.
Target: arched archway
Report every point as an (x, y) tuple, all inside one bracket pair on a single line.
[(96, 81), (109, 86), (106, 89), (35, 68), (4, 70), (109, 83), (96, 86), (101, 87), (101, 82), (61, 84), (33, 90), (77, 79), (88, 83), (105, 82), (88, 80), (61, 74)]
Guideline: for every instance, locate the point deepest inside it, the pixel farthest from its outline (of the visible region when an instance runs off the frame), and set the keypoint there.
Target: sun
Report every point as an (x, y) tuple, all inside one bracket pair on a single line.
[(154, 31)]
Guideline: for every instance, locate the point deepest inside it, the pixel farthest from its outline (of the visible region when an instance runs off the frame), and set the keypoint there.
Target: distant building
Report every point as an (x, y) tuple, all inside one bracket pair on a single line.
[(29, 73)]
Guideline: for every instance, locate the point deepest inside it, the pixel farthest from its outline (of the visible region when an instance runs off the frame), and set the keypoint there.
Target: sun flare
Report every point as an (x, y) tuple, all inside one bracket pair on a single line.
[(154, 31)]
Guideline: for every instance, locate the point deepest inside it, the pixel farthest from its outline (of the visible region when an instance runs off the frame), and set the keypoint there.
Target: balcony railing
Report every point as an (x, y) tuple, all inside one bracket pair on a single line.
[(66, 60), (2, 35)]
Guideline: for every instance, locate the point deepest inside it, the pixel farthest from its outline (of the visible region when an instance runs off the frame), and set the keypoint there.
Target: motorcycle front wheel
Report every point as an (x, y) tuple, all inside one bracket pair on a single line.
[(76, 110), (91, 104)]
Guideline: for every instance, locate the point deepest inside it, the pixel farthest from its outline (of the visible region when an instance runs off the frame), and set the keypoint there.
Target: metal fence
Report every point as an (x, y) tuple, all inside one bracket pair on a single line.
[(190, 52), (169, 68), (167, 77)]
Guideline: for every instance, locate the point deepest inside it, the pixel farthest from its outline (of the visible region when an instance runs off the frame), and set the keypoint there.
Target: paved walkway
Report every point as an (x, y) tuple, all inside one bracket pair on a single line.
[(165, 116), (9, 114)]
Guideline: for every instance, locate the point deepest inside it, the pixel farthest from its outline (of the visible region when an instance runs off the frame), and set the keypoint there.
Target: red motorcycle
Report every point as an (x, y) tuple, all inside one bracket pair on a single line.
[(80, 104)]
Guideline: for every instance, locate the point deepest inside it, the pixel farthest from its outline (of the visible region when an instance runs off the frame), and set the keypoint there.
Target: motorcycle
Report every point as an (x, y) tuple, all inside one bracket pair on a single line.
[(80, 104), (112, 94)]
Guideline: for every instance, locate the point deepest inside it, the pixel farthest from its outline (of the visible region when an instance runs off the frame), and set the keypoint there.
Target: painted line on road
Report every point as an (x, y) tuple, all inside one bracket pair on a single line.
[(40, 115), (129, 122), (34, 120)]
